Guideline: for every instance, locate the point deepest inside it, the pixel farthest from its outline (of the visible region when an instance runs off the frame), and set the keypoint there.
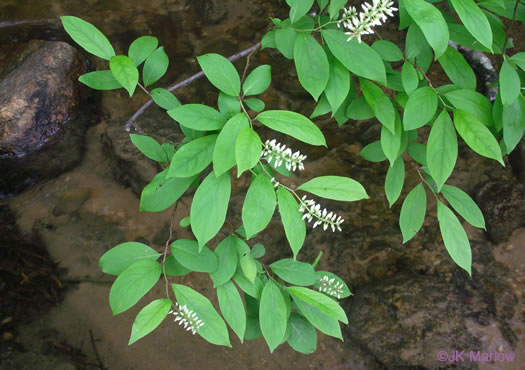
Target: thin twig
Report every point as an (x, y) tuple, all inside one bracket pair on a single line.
[(131, 122), (510, 28), (166, 248), (100, 364)]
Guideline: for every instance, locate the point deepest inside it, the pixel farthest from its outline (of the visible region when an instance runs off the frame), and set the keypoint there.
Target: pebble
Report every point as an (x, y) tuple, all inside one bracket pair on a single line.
[(508, 247), (500, 348)]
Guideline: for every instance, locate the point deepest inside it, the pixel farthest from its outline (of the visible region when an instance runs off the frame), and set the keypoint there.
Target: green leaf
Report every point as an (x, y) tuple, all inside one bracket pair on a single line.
[(155, 66), (88, 37), (258, 80), (335, 187), (454, 237), (221, 73), (477, 136), (409, 78), (473, 103), (189, 255), (322, 321), (325, 274), (322, 4), (322, 107), (513, 119), (395, 177), (311, 63), (228, 105), (164, 99), (413, 212), (255, 104), (368, 65), (474, 20), (248, 149), (232, 308), (249, 267), (142, 48), (373, 152), (252, 289), (391, 143), (318, 300), (338, 84), (285, 41), (100, 80), (257, 251), (464, 205), (120, 257), (174, 268), (273, 315), (226, 253), (457, 68), (132, 284), (380, 104), (294, 272), (294, 226), (209, 207), (259, 205), (420, 108), (509, 83), (519, 60), (149, 318), (303, 337), (162, 192), (293, 124), (334, 8), (431, 22), (149, 147), (214, 329), (268, 40), (442, 149), (418, 152), (224, 151), (193, 157), (299, 8), (198, 117), (359, 109), (388, 51), (125, 72)]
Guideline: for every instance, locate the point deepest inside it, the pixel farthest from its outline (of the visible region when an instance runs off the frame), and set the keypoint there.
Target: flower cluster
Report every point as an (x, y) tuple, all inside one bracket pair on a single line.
[(311, 210), (330, 286), (280, 154), (359, 24), (188, 318)]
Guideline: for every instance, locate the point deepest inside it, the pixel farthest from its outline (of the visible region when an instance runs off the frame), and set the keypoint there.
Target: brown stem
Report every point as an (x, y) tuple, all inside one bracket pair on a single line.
[(510, 28)]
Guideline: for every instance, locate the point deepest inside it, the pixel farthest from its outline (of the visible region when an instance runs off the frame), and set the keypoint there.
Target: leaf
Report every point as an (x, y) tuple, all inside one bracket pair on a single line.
[(294, 226), (519, 60), (100, 80), (228, 105), (232, 308), (198, 117), (155, 66), (224, 151), (209, 207), (335, 187), (226, 254), (395, 177), (454, 237), (258, 251), (474, 20), (174, 268), (258, 80), (132, 284), (255, 104), (268, 40), (322, 107), (142, 48), (509, 83), (311, 64), (193, 157), (125, 72), (221, 73), (373, 152), (442, 149), (214, 329), (322, 321), (294, 272), (149, 318), (120, 257), (273, 315), (391, 143), (303, 337), (464, 205), (418, 152), (477, 136), (248, 149), (189, 255), (413, 212), (388, 51), (299, 8), (457, 68), (359, 109), (162, 192), (473, 103), (318, 300), (325, 274), (380, 104), (334, 8), (338, 84), (513, 118), (249, 267), (149, 147), (259, 205), (88, 37), (369, 64), (420, 108), (293, 124), (252, 289), (164, 99), (409, 78), (285, 41), (431, 22)]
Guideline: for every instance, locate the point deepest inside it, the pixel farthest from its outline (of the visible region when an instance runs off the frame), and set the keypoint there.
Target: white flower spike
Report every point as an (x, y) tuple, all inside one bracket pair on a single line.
[(330, 286), (188, 318), (281, 154), (328, 219)]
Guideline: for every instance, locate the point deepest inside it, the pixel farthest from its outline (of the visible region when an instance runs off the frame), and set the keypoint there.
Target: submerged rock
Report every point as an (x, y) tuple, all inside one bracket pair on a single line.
[(41, 130)]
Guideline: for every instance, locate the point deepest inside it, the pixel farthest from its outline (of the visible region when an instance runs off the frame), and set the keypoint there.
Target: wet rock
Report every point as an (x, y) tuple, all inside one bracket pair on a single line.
[(502, 202), (70, 201), (41, 128)]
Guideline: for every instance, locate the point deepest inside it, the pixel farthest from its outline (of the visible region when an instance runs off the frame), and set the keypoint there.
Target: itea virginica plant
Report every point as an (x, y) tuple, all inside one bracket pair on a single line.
[(288, 300)]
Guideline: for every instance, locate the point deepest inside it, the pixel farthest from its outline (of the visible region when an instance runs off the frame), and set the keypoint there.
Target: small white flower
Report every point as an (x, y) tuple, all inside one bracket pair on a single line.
[(188, 318), (327, 219), (330, 286), (280, 154)]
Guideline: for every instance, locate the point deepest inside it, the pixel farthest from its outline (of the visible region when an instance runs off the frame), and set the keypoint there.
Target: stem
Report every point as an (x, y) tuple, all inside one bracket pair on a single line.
[(510, 28), (166, 247)]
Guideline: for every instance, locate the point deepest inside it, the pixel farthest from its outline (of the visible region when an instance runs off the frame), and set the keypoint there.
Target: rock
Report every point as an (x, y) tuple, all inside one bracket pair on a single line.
[(41, 128)]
